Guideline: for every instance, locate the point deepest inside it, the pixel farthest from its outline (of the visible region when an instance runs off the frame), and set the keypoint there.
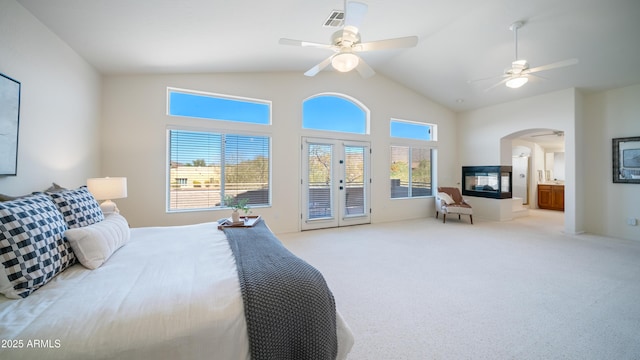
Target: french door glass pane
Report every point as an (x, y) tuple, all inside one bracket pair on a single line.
[(320, 181), (354, 180)]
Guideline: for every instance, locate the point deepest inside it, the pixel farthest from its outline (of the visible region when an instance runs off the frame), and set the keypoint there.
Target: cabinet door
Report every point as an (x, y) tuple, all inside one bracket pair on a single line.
[(557, 197), (544, 197)]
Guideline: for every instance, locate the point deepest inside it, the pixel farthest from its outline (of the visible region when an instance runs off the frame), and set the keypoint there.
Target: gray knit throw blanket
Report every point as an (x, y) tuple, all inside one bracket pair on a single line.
[(289, 308)]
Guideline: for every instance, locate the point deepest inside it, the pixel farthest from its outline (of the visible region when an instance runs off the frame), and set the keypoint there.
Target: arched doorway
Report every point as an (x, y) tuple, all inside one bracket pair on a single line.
[(538, 158)]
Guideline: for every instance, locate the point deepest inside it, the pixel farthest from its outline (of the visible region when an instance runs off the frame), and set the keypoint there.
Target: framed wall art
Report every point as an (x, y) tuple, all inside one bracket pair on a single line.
[(9, 120), (626, 160)]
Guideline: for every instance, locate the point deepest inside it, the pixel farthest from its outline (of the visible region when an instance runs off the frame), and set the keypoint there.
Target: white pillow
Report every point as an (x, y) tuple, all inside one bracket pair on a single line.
[(94, 244), (444, 196)]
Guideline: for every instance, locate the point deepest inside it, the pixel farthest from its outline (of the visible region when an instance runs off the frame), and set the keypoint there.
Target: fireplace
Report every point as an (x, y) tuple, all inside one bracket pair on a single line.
[(487, 181)]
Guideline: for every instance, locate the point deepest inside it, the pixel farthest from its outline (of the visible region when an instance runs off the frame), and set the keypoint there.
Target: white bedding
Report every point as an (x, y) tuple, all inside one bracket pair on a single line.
[(169, 293)]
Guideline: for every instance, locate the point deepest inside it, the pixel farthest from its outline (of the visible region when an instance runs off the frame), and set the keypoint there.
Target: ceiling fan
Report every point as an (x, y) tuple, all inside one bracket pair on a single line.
[(559, 133), (519, 72), (346, 44)]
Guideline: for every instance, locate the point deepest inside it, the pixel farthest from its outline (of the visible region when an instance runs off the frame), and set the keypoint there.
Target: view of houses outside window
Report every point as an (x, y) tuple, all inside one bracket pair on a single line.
[(206, 167)]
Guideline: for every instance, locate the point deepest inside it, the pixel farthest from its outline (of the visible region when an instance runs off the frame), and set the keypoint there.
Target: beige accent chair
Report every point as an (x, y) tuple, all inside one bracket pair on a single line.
[(450, 201)]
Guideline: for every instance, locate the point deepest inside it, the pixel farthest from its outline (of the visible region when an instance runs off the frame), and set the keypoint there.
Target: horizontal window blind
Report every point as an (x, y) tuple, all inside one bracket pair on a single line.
[(205, 167)]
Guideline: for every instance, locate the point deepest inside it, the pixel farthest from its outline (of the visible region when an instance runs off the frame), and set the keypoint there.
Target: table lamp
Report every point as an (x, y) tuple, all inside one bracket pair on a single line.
[(107, 189)]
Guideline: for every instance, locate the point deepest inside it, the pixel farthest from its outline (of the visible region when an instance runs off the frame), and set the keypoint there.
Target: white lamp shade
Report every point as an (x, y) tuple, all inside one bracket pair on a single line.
[(345, 62), (516, 82), (108, 188)]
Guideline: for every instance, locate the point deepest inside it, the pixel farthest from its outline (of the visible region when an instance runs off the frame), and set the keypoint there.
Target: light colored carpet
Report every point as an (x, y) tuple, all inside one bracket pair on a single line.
[(520, 289)]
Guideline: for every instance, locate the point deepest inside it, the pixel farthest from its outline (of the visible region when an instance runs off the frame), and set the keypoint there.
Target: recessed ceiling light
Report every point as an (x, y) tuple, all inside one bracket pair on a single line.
[(459, 101)]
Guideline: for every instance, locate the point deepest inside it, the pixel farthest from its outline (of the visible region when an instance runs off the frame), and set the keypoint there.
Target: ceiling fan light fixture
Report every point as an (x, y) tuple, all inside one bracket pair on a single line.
[(517, 82), (345, 62)]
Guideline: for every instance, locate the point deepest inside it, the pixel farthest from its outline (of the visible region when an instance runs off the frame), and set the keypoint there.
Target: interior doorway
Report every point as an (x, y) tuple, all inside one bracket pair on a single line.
[(520, 178)]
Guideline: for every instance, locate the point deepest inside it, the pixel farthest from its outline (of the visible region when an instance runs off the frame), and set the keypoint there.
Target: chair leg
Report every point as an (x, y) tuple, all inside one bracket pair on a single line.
[(444, 218), (471, 218), (436, 214), (459, 217)]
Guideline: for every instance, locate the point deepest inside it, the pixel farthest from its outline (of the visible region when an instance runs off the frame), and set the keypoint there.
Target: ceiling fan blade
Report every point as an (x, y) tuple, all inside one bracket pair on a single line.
[(292, 42), (364, 69), (403, 42), (554, 133), (498, 84), (553, 65), (355, 12), (536, 76), (316, 69), (486, 78)]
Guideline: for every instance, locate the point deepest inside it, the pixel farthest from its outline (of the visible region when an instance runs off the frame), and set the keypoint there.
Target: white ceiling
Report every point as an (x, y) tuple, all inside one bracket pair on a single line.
[(459, 40)]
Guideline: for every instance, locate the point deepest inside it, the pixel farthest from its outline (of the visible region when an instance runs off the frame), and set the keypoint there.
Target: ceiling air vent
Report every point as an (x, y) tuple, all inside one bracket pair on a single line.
[(335, 19)]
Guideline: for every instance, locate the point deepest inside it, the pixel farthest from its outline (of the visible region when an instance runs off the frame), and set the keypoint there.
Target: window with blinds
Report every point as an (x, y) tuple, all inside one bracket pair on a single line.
[(204, 167), (410, 172)]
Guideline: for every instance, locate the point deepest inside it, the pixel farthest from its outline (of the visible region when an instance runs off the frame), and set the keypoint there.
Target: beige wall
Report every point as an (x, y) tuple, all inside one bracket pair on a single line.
[(135, 124), (60, 105), (609, 114)]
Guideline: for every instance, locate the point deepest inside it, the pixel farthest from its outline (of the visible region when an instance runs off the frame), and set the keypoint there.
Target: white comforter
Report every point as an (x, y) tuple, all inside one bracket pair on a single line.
[(169, 293)]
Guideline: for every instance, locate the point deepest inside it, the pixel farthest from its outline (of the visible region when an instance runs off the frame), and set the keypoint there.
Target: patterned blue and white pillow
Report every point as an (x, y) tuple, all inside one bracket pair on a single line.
[(32, 245), (78, 207)]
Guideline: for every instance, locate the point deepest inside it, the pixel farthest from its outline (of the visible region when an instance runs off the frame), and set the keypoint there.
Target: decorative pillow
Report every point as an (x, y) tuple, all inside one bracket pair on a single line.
[(447, 199), (94, 244), (5, 197), (53, 188), (32, 245), (78, 207)]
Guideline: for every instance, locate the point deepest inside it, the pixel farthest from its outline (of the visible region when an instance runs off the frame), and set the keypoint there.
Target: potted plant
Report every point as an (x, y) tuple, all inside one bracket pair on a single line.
[(236, 205)]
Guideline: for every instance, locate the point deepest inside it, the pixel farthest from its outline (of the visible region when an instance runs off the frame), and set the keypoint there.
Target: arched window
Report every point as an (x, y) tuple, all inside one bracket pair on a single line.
[(335, 113)]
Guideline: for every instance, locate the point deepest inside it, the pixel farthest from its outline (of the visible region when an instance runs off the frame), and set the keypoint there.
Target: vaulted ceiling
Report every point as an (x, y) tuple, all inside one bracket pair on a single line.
[(459, 40)]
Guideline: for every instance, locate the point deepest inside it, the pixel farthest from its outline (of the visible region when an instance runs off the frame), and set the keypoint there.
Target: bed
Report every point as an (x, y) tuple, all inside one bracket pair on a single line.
[(158, 293)]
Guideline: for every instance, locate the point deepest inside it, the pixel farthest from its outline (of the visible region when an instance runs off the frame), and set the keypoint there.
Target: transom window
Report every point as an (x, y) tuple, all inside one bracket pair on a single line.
[(412, 130), (217, 107), (334, 113)]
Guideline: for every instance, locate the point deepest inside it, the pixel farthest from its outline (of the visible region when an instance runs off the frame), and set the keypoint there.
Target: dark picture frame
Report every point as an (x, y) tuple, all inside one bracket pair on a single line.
[(9, 123), (626, 160)]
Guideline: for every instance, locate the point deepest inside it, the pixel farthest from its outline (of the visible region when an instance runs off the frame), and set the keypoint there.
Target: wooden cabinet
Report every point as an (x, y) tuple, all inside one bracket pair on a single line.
[(551, 197)]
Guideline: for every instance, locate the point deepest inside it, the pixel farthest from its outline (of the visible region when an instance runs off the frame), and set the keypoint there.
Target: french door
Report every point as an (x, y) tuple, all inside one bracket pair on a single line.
[(335, 182)]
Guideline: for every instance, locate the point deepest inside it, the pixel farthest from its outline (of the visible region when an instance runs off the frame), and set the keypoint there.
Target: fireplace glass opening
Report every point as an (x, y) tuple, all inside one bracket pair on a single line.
[(487, 181)]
